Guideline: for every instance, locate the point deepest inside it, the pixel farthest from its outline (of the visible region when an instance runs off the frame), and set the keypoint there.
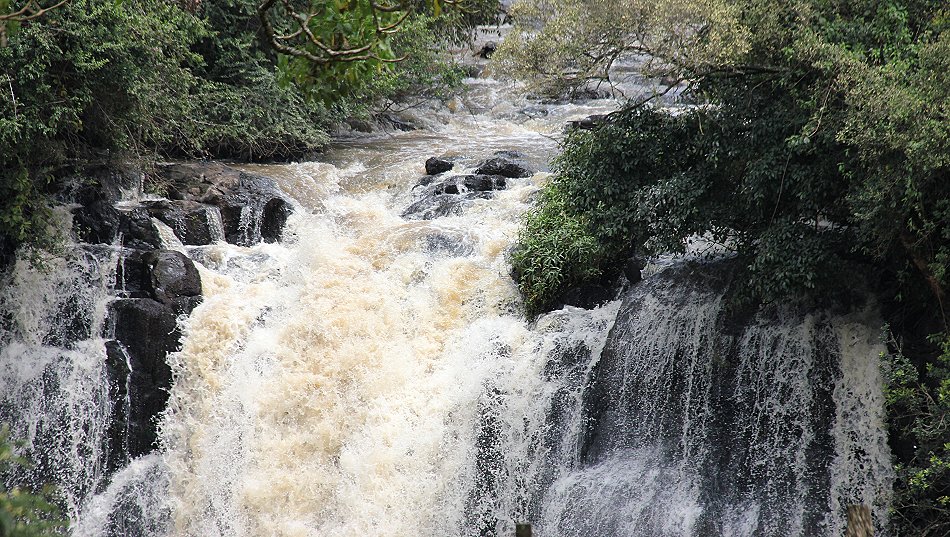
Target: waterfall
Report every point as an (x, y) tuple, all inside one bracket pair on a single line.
[(370, 374), (54, 384)]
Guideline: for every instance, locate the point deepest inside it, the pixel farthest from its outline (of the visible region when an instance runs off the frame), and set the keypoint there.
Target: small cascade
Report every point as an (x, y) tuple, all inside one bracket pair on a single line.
[(54, 386), (700, 421)]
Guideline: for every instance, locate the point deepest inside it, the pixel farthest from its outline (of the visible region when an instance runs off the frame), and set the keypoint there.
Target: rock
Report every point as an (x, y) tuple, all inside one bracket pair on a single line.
[(534, 111), (588, 123), (452, 195), (171, 275), (101, 223), (442, 205), (487, 50), (252, 207), (194, 223), (132, 277), (449, 244), (106, 183), (632, 268), (503, 166), (144, 332), (397, 123), (425, 180), (436, 165), (586, 296)]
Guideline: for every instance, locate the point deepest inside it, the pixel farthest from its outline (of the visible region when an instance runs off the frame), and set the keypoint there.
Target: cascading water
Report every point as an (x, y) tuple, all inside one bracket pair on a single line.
[(373, 375), (54, 386)]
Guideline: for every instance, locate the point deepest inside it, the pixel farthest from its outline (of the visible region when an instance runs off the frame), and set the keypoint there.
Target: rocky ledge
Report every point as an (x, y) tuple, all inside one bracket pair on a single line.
[(206, 202)]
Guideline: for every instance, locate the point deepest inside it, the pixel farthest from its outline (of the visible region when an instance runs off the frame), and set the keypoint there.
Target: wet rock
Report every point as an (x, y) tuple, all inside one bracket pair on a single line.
[(436, 165), (448, 244), (194, 223), (425, 180), (171, 275), (252, 207), (586, 296), (397, 123), (132, 277), (588, 123), (487, 50), (441, 205), (102, 223), (144, 332), (632, 268), (534, 111), (452, 195), (503, 166)]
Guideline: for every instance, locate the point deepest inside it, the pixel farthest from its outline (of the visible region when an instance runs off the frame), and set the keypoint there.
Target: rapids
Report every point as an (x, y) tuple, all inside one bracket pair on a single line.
[(372, 375)]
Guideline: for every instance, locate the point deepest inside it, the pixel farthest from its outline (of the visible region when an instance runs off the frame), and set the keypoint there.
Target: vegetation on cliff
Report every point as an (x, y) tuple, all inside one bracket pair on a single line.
[(820, 146)]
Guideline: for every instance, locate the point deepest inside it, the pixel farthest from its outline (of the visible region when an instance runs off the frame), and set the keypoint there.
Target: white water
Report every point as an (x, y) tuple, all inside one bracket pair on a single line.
[(371, 375)]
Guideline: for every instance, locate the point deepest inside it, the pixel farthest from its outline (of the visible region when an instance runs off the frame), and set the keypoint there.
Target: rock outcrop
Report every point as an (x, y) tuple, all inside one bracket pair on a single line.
[(451, 195)]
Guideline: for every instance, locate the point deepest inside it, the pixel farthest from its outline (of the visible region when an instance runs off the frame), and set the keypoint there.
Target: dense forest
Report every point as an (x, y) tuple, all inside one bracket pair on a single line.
[(815, 146)]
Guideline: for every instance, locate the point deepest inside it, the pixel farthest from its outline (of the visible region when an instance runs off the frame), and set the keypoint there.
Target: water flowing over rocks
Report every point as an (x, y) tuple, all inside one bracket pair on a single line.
[(452, 195), (251, 206), (363, 366)]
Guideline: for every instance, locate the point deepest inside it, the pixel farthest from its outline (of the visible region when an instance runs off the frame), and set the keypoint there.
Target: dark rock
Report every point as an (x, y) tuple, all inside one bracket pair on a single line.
[(534, 112), (586, 296), (132, 276), (171, 275), (487, 50), (503, 166), (397, 123), (436, 165), (193, 223), (145, 331), (105, 183), (588, 123), (274, 218), (632, 268), (452, 195), (101, 223), (252, 206), (441, 205), (425, 180), (448, 244)]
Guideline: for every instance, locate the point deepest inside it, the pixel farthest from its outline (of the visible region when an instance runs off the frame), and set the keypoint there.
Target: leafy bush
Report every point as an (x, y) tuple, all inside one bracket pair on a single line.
[(918, 406)]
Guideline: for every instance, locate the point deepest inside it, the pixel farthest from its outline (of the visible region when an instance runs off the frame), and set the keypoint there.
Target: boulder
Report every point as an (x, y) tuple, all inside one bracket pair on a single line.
[(503, 166), (586, 296), (171, 275), (102, 223), (144, 332), (441, 205), (436, 165), (588, 123), (452, 195), (632, 268), (252, 207), (166, 276), (194, 223), (487, 50)]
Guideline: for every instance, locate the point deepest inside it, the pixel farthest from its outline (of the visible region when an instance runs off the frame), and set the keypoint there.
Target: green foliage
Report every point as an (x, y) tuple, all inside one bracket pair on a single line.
[(409, 62), (557, 252), (557, 46), (809, 155), (24, 513), (918, 407)]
